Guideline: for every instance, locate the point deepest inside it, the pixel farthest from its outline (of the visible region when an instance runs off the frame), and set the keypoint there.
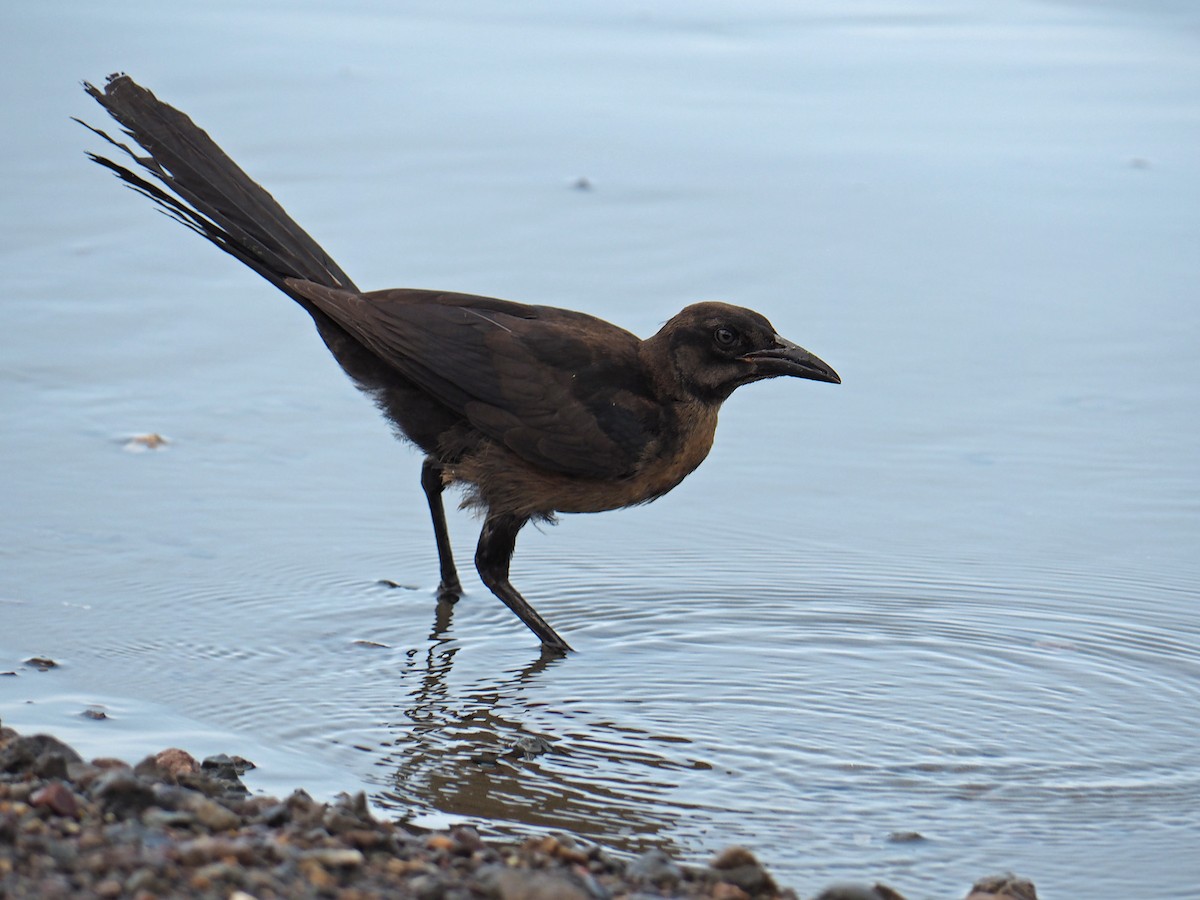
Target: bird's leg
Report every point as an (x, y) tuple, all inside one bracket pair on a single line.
[(496, 544), (431, 481)]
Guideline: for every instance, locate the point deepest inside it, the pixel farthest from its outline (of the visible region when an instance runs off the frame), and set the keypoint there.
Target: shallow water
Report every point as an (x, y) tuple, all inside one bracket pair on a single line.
[(956, 595)]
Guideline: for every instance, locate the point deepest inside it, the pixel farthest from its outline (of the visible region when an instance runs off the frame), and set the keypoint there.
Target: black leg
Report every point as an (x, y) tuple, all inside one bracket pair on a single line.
[(496, 544), (431, 481)]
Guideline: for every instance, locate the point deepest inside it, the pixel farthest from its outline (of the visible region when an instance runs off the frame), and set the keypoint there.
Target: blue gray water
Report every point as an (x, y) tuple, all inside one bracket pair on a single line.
[(956, 595)]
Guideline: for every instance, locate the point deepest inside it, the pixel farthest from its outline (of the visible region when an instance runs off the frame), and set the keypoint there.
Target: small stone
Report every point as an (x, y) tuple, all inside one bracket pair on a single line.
[(733, 858), (859, 892), (655, 867), (1003, 887), (58, 798), (93, 713), (204, 849), (222, 762), (120, 791), (168, 818), (467, 839), (276, 815), (408, 866), (148, 441), (723, 890), (905, 837), (212, 815), (363, 838), (41, 663), (174, 763), (109, 762), (530, 747), (427, 886), (738, 866), (523, 884), (336, 857), (318, 876), (440, 843), (144, 879), (109, 887), (38, 753)]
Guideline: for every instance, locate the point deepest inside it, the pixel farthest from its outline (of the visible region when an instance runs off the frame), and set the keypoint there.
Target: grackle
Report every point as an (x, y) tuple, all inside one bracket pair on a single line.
[(534, 410)]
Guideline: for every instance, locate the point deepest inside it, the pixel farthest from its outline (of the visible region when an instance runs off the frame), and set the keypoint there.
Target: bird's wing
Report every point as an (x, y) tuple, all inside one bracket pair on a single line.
[(562, 390)]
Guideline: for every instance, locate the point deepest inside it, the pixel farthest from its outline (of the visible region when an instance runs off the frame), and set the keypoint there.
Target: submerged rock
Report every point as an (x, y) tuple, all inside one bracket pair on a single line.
[(1003, 887)]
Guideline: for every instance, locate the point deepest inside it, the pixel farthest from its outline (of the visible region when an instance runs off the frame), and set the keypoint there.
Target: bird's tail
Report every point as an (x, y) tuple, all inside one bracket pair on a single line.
[(207, 191)]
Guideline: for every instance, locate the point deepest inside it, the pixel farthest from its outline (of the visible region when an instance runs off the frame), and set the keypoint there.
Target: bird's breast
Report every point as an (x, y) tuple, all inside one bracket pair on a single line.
[(505, 482)]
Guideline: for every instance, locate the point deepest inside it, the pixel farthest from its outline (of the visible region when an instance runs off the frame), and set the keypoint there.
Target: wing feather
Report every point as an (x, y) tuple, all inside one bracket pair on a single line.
[(563, 390)]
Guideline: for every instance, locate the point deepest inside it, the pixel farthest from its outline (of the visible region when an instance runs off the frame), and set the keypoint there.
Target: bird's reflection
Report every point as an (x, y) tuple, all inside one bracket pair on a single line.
[(494, 754)]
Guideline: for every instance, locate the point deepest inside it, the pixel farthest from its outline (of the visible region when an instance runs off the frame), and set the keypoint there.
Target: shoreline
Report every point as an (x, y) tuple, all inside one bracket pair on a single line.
[(172, 826)]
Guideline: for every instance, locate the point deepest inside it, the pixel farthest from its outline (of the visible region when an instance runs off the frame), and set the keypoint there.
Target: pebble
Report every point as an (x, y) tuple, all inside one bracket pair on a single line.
[(58, 797), (656, 868), (174, 763), (737, 866), (1003, 887), (859, 892)]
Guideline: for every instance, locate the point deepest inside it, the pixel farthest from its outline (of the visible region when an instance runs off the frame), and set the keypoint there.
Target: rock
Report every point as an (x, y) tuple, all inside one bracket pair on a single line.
[(739, 867), (121, 792), (109, 887), (58, 798), (108, 762), (427, 886), (336, 857), (209, 813), (227, 770), (466, 839), (350, 812), (859, 892), (239, 764), (168, 818), (173, 763), (440, 843), (149, 441), (655, 867), (530, 747), (40, 754), (1003, 887), (524, 884), (168, 830)]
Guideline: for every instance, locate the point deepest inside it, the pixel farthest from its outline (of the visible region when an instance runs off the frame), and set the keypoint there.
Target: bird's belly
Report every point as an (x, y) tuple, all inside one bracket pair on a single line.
[(519, 488)]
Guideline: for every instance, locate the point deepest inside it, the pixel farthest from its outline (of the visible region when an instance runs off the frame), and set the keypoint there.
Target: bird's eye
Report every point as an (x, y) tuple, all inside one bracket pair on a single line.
[(725, 336)]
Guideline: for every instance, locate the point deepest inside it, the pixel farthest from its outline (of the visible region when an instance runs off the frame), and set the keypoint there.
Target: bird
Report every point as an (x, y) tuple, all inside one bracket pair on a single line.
[(531, 410)]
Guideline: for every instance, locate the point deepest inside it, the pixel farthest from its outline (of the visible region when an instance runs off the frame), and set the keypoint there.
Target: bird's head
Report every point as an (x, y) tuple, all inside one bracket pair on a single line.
[(714, 348)]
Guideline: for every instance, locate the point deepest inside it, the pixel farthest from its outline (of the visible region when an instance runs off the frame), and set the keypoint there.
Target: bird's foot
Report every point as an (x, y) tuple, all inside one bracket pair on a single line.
[(449, 591), (552, 650)]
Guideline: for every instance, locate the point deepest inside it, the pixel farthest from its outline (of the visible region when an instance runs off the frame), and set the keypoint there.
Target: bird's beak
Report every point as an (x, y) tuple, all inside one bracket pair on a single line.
[(787, 358)]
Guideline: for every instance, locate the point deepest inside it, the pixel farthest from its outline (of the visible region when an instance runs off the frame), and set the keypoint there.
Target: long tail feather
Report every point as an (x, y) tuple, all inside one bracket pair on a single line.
[(207, 191)]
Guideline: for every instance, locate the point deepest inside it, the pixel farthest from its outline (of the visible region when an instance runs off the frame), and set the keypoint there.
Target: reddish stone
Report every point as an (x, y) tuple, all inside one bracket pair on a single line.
[(174, 763), (58, 798)]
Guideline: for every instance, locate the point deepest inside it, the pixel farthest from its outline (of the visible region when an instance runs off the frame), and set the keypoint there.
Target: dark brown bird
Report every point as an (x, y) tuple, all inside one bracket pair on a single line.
[(535, 410)]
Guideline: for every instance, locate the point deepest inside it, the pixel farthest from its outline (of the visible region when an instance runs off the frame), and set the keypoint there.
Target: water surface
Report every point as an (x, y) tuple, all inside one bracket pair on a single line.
[(956, 595)]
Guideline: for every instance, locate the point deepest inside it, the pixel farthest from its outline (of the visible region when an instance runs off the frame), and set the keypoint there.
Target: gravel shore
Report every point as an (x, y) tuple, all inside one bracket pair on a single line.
[(173, 827)]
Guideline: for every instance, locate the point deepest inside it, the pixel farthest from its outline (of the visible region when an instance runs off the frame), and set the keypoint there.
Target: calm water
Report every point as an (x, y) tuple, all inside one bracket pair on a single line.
[(956, 595)]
